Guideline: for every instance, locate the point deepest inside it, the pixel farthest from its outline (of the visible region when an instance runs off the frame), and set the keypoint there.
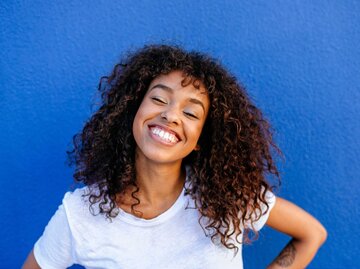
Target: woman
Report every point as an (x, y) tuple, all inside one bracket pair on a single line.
[(175, 163)]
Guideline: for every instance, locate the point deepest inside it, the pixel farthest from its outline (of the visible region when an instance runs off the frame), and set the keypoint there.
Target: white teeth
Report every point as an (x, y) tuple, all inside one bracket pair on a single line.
[(169, 137)]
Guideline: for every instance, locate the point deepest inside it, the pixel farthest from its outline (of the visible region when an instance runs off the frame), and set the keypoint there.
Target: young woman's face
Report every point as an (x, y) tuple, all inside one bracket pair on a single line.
[(169, 121)]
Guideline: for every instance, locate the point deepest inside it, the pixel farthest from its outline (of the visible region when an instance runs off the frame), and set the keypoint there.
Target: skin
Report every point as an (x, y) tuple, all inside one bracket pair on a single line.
[(173, 108), (306, 232), (183, 110)]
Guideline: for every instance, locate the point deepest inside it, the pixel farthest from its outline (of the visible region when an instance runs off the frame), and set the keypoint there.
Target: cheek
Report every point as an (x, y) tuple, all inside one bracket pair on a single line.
[(140, 114), (145, 112), (137, 123), (195, 132)]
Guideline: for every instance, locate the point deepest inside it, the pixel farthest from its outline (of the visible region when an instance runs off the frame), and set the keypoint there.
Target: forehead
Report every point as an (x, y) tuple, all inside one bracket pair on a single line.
[(178, 80)]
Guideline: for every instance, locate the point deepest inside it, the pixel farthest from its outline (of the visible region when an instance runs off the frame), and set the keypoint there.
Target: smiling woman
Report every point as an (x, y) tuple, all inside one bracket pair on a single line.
[(175, 163), (169, 121)]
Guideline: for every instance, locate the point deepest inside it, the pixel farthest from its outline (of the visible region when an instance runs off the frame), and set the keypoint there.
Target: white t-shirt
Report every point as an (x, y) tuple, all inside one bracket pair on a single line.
[(173, 239)]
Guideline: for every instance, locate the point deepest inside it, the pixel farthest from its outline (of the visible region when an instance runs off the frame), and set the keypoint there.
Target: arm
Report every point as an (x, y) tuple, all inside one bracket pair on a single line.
[(30, 262), (306, 232)]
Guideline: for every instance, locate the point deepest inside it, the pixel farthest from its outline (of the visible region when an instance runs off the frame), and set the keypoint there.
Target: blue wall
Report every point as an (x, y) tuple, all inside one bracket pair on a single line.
[(299, 60)]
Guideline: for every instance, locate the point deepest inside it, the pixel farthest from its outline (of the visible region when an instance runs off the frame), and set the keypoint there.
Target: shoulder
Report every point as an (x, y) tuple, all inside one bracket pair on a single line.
[(270, 199), (76, 197), (82, 216), (259, 216), (76, 203)]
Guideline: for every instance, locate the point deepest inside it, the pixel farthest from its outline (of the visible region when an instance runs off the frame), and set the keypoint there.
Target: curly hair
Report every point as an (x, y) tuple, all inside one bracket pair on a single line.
[(228, 179)]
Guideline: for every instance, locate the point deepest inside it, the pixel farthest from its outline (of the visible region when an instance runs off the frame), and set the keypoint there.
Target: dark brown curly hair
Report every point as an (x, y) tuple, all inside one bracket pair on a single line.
[(228, 183)]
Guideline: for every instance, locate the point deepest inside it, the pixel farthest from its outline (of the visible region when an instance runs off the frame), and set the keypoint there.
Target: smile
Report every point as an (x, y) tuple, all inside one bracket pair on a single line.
[(164, 135)]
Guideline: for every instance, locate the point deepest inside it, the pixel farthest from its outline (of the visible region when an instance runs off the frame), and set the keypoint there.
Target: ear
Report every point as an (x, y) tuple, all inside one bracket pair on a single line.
[(197, 147)]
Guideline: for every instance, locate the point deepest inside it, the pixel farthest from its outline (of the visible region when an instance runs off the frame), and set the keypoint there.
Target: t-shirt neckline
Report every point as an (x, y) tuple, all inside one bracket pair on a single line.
[(163, 217)]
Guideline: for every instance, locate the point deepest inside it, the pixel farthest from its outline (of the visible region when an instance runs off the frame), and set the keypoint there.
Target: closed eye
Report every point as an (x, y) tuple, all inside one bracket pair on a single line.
[(158, 100), (191, 115)]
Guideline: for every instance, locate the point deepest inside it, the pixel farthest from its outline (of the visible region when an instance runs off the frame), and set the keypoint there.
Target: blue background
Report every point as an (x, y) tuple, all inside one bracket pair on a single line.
[(299, 60)]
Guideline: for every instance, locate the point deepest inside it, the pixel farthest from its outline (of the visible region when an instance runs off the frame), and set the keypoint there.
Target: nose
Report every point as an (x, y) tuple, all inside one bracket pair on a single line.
[(171, 115)]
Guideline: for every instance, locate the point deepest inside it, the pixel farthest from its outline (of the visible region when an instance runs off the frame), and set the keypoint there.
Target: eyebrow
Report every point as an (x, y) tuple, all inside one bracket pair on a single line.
[(168, 89)]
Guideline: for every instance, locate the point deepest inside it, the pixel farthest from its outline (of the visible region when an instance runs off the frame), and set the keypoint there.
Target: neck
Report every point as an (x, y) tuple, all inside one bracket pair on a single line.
[(158, 182)]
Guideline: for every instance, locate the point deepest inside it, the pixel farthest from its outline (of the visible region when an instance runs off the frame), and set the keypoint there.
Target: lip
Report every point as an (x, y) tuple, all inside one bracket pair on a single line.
[(166, 130)]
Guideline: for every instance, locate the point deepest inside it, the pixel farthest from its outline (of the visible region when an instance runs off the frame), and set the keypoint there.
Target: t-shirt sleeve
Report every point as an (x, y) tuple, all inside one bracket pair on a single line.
[(54, 250), (259, 218)]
